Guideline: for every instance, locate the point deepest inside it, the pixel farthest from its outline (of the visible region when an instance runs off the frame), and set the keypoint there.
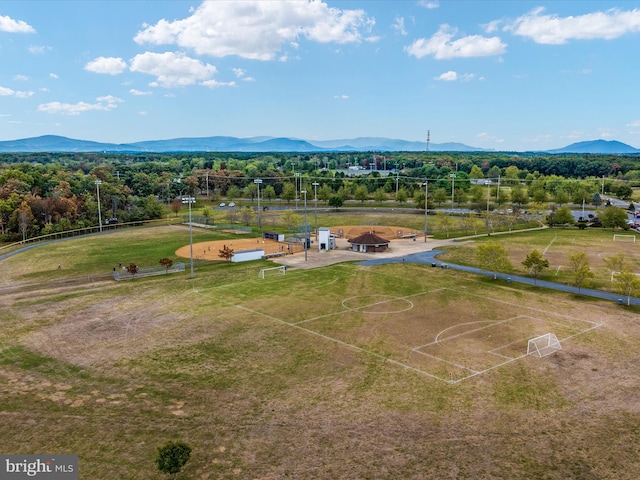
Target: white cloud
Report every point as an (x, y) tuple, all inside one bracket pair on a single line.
[(107, 65), (634, 124), (430, 4), (341, 97), (54, 75), (398, 25), (257, 29), (39, 49), (8, 24), (105, 103), (555, 30), (215, 84), (20, 94), (8, 92), (241, 74), (172, 69), (20, 78), (138, 93), (449, 76), (442, 46)]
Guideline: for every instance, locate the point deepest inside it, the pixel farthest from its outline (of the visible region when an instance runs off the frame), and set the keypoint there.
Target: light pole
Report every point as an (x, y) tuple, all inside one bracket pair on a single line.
[(488, 198), (426, 207), (452, 176), (295, 179), (98, 183), (397, 173), (315, 199), (190, 200), (258, 182), (306, 232)]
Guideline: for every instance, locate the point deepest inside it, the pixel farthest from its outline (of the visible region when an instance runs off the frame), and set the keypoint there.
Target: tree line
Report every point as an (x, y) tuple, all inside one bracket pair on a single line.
[(50, 192)]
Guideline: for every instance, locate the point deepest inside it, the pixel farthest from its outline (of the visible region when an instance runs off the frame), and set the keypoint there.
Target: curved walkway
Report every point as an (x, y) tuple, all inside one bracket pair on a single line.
[(429, 257)]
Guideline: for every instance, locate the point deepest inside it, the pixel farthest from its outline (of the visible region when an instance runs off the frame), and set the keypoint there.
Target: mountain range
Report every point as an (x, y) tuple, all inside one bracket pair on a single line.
[(54, 143)]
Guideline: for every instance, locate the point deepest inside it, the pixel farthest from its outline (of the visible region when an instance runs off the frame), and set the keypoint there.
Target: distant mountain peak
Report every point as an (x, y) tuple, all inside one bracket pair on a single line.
[(597, 146)]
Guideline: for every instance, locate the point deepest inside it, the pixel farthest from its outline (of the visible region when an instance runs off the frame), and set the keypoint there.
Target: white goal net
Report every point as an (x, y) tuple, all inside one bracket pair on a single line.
[(619, 237), (272, 271), (543, 345)]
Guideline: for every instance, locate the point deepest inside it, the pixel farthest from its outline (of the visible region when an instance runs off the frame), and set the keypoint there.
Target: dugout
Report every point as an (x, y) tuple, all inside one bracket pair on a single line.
[(278, 237)]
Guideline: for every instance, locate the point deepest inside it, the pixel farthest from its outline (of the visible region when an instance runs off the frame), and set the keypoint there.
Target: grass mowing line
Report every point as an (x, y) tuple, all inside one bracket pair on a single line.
[(344, 344)]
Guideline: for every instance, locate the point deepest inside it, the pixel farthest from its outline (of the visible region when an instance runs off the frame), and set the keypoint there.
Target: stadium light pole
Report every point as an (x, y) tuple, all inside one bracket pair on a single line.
[(98, 183), (190, 200), (488, 198), (258, 182), (452, 176), (306, 232), (315, 199), (426, 207)]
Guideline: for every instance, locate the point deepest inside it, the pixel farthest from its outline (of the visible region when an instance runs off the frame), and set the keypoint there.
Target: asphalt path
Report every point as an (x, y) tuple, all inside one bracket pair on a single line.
[(429, 258)]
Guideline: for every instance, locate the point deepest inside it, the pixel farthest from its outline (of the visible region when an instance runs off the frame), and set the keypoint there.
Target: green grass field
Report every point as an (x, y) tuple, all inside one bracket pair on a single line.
[(313, 374)]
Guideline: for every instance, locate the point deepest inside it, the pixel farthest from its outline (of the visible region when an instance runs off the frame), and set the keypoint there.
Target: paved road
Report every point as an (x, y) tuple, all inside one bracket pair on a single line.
[(428, 257)]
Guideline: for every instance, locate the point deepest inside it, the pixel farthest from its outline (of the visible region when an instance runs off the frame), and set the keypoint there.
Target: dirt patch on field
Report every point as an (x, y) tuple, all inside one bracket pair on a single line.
[(211, 250)]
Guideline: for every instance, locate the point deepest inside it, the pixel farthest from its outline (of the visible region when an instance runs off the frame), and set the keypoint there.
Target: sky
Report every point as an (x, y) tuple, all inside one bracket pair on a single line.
[(504, 75)]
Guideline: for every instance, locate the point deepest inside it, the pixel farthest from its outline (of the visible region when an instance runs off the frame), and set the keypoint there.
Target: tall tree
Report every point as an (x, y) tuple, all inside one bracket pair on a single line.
[(492, 256)]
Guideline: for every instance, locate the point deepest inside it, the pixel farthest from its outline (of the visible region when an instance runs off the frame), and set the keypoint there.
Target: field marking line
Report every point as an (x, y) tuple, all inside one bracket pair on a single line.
[(440, 359), (544, 252), (538, 310), (345, 344), (348, 309)]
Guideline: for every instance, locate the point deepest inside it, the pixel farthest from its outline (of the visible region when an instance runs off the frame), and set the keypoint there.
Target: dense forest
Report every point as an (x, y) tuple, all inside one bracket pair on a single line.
[(46, 193)]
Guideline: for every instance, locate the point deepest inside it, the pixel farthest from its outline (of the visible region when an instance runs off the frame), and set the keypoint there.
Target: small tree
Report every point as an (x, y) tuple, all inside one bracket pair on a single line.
[(627, 283), (132, 269), (562, 216), (535, 263), (616, 263), (167, 263), (580, 270), (225, 253), (172, 456), (176, 205), (493, 256), (613, 217), (335, 201)]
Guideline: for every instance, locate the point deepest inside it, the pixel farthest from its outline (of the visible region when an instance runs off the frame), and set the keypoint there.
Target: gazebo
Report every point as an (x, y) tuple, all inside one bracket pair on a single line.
[(369, 242)]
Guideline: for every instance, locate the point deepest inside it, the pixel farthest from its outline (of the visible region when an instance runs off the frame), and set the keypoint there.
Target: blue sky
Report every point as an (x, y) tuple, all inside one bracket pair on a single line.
[(507, 75)]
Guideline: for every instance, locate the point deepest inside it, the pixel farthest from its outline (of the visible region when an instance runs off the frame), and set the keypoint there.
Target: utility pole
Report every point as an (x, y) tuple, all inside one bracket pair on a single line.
[(98, 183)]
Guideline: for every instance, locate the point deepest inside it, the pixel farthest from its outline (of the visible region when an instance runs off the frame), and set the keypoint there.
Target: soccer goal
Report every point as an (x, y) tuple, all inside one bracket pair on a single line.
[(544, 345), (272, 271), (619, 237)]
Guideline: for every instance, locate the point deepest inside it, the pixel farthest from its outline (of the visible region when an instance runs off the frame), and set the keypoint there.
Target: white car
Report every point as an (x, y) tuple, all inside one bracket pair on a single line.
[(231, 204), (223, 204)]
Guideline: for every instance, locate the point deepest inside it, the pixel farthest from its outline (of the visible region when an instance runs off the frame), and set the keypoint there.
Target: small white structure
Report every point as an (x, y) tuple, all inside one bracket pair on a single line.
[(326, 241), (247, 255)]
